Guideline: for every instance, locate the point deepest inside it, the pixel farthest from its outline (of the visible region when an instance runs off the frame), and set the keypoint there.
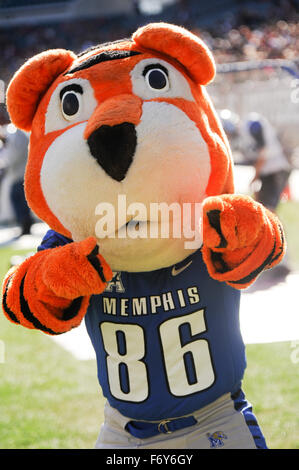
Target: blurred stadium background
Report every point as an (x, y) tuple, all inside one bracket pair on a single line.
[(255, 45)]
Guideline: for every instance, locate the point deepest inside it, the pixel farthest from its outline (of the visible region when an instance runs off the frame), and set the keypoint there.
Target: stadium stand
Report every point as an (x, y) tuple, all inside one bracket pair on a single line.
[(235, 31), (240, 31), (247, 32), (24, 3)]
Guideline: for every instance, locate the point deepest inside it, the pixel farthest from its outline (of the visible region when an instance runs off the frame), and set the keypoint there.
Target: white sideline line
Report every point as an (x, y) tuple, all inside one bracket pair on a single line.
[(266, 316), (76, 342), (271, 315)]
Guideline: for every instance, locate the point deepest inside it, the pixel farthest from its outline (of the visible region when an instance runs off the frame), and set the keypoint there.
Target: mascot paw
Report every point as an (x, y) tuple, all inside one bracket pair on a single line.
[(76, 270), (232, 222), (241, 238)]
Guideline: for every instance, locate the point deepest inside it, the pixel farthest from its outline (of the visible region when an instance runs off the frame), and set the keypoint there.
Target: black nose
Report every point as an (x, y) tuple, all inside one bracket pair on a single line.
[(113, 147)]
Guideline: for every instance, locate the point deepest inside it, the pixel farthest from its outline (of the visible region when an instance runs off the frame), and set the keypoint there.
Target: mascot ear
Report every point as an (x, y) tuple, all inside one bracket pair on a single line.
[(180, 44), (31, 81)]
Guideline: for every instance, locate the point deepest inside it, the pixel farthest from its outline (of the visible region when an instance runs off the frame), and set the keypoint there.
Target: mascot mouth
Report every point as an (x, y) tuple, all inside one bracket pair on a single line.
[(144, 229), (135, 228), (154, 221)]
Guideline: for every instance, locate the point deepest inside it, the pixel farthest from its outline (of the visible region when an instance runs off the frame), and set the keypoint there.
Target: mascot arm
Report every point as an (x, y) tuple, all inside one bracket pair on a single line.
[(50, 291), (241, 238)]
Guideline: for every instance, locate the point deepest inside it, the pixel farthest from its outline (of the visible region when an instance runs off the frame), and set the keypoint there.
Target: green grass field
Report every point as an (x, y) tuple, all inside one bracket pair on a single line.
[(50, 400)]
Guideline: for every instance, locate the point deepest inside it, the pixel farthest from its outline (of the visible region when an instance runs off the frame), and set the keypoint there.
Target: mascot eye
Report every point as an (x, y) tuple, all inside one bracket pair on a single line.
[(156, 77), (70, 104)]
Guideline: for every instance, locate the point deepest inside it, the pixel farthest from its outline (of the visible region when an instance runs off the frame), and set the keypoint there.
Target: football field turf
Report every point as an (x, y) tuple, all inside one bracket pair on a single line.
[(51, 400)]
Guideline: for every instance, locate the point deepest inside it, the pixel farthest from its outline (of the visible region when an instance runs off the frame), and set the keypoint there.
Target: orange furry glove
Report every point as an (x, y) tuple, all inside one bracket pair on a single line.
[(241, 238), (50, 290), (76, 270)]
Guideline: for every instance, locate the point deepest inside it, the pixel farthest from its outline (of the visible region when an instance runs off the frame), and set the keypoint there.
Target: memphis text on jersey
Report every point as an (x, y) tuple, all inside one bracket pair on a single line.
[(145, 305)]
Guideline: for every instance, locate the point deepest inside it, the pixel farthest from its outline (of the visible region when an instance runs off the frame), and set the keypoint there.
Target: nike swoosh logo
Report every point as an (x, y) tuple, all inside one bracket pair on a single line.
[(175, 271)]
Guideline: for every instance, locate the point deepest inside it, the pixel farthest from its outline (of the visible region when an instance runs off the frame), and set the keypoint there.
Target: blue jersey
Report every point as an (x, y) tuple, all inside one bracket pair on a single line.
[(167, 342)]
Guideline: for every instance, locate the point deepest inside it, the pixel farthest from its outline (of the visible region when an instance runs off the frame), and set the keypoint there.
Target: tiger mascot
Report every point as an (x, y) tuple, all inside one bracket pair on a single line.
[(133, 118)]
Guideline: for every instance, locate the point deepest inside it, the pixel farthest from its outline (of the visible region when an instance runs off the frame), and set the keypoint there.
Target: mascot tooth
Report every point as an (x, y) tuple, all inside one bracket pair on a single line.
[(131, 121)]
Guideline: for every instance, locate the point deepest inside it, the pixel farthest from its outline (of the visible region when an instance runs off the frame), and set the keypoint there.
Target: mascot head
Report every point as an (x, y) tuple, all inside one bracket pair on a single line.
[(116, 131)]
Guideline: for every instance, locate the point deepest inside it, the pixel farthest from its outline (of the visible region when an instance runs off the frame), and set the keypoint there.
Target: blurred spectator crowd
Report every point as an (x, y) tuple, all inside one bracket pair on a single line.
[(279, 40), (236, 36)]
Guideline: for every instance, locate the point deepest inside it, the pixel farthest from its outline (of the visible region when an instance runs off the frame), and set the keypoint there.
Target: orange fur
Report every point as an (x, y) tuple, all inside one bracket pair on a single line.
[(52, 279), (69, 274), (221, 178), (173, 44), (181, 45), (34, 194), (248, 238), (251, 238), (115, 111), (29, 83)]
